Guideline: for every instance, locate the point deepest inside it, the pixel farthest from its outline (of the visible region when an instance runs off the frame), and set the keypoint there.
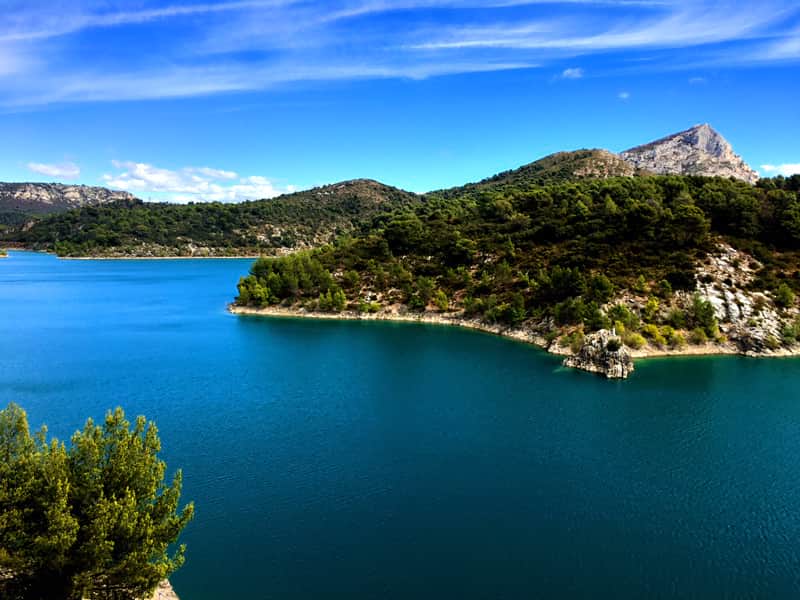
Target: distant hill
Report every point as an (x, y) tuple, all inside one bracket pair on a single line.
[(300, 220), (697, 151), (20, 200), (102, 222)]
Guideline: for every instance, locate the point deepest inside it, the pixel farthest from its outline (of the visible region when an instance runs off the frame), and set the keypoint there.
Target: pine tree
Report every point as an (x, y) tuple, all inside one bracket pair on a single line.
[(91, 520)]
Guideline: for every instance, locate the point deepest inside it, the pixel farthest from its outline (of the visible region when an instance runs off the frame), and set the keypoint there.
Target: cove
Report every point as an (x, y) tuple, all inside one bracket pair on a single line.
[(392, 460)]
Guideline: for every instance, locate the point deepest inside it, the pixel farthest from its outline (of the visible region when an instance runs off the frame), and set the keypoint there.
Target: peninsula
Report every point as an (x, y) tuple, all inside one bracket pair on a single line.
[(585, 254)]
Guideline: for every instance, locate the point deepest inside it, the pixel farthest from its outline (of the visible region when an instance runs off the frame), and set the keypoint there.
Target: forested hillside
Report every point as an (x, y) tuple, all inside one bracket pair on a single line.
[(301, 220), (305, 219), (556, 255)]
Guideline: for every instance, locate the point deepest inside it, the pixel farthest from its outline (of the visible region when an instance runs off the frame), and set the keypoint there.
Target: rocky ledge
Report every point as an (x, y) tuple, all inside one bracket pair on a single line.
[(602, 352)]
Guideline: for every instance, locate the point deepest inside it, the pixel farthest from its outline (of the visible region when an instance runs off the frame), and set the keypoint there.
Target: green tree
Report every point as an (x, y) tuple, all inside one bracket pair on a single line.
[(95, 519), (784, 296)]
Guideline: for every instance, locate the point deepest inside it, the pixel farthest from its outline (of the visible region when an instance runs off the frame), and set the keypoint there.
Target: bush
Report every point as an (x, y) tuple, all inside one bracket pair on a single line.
[(698, 336), (440, 300), (634, 340), (652, 332), (784, 296), (574, 341), (613, 344), (678, 318), (369, 307), (676, 340), (620, 312)]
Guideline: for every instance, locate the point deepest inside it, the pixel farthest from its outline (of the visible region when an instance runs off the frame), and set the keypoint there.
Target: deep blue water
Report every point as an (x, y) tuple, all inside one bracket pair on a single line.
[(374, 460)]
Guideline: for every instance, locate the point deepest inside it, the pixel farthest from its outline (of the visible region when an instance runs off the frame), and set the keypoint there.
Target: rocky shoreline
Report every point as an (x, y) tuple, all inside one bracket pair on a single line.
[(594, 356)]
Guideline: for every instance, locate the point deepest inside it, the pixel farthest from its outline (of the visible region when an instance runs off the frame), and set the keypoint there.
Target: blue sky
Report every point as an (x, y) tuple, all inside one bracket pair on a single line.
[(239, 99)]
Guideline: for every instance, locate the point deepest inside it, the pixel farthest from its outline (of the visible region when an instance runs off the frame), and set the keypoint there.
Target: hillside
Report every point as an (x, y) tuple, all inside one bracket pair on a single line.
[(697, 151), (668, 263), (115, 224), (555, 168), (294, 221)]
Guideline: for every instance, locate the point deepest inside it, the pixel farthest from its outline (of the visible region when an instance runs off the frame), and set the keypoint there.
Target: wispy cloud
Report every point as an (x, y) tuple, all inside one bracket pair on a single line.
[(624, 96), (786, 170), (57, 52), (67, 170), (190, 184), (572, 73)]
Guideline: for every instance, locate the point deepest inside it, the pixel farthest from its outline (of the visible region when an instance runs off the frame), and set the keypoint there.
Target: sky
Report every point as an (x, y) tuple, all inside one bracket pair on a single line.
[(189, 100)]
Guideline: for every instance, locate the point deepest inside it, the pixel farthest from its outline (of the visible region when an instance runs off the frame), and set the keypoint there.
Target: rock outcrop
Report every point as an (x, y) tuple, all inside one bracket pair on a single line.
[(748, 318), (696, 151), (164, 591), (602, 352), (46, 198)]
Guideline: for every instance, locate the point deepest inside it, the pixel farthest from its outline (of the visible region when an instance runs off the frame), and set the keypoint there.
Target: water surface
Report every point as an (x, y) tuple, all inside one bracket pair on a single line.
[(379, 460)]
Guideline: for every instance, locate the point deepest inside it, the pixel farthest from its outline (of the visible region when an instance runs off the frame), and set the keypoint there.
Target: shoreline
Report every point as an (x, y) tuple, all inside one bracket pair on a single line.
[(236, 257), (521, 335), (155, 257)]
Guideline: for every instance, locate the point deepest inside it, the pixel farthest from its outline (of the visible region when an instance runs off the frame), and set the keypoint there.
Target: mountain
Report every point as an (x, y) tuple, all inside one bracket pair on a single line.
[(697, 151), (290, 222), (114, 223), (555, 168), (46, 198)]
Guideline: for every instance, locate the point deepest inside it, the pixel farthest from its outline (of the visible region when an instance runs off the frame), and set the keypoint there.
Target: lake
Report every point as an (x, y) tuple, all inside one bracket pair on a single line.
[(379, 460)]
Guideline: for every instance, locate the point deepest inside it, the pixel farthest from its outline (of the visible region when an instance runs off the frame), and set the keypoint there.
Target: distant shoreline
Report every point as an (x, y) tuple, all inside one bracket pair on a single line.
[(521, 335), (157, 257), (236, 257)]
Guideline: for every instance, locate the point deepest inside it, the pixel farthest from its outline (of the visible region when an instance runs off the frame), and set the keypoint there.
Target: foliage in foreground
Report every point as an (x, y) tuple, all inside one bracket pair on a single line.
[(94, 519)]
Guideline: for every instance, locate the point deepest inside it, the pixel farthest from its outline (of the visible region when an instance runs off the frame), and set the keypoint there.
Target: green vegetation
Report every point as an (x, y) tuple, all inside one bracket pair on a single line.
[(551, 254), (303, 219), (89, 520)]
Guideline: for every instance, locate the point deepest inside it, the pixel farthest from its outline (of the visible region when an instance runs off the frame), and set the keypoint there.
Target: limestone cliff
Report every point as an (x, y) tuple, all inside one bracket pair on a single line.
[(602, 352), (696, 151), (46, 198)]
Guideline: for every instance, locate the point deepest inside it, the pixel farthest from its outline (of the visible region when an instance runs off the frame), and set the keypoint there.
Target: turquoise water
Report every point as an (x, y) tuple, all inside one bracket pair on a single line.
[(372, 460)]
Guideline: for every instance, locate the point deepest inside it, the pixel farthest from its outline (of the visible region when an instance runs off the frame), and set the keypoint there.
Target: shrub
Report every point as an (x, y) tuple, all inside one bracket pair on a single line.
[(634, 340), (698, 336), (368, 307), (613, 344), (652, 332), (620, 312), (440, 300), (784, 296), (677, 318), (676, 340)]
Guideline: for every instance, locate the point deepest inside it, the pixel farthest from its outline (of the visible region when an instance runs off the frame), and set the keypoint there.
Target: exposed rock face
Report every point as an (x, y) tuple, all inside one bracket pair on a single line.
[(696, 151), (749, 319), (597, 357), (164, 591), (44, 198)]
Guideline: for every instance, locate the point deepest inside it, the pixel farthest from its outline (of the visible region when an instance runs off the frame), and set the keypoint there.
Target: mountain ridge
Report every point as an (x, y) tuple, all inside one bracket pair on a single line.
[(699, 150)]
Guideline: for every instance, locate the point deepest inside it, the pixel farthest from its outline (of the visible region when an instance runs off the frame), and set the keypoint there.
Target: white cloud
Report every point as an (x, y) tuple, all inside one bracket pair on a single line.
[(786, 169), (572, 73), (697, 80), (47, 56), (67, 170), (191, 184), (214, 173), (624, 95)]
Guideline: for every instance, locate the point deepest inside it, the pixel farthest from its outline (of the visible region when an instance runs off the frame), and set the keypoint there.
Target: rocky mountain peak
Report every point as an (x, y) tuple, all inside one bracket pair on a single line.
[(700, 150), (46, 198)]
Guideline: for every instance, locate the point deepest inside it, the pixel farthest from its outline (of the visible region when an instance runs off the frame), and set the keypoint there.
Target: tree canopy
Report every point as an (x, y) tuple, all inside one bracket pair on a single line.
[(92, 519)]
